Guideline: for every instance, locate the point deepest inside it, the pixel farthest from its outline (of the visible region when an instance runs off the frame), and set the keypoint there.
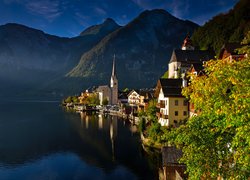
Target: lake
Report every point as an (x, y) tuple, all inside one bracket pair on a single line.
[(41, 140)]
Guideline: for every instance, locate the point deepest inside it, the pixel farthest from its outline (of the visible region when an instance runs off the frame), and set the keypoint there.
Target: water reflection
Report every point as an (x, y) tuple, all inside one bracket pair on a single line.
[(40, 139)]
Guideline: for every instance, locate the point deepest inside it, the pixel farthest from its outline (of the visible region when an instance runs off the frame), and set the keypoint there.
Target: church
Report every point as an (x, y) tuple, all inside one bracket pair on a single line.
[(109, 92), (182, 59)]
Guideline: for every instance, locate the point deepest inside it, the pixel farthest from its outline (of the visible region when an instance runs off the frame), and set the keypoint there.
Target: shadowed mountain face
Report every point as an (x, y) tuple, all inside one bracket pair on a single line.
[(142, 49), (30, 58)]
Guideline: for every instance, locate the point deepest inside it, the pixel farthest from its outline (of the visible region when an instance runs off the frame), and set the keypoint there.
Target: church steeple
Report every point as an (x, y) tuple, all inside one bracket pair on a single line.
[(187, 43), (113, 69), (114, 84)]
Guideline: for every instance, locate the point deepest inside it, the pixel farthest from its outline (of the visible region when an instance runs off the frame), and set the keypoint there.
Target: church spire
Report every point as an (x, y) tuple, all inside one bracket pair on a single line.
[(114, 70), (187, 44)]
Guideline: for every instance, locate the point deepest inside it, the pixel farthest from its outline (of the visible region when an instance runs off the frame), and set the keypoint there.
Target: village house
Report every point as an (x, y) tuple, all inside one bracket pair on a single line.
[(140, 98), (133, 98), (173, 107), (229, 51)]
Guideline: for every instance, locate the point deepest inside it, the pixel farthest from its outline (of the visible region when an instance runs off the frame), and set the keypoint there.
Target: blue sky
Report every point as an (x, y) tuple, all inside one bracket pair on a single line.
[(68, 18)]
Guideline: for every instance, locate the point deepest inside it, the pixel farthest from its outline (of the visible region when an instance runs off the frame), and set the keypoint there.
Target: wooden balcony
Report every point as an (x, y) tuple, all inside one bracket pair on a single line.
[(160, 105), (160, 115)]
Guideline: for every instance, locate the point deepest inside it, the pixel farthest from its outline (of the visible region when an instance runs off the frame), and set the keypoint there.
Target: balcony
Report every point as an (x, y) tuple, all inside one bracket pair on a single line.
[(160, 115), (160, 105)]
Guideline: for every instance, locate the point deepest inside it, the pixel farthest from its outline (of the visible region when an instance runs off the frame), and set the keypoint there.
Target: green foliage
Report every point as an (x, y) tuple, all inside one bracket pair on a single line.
[(92, 100), (125, 90), (71, 99), (151, 110), (216, 142), (142, 125), (165, 75), (230, 27), (153, 131), (105, 101)]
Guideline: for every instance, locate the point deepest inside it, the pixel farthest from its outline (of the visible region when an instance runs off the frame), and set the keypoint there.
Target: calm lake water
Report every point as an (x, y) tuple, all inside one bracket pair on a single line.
[(40, 140)]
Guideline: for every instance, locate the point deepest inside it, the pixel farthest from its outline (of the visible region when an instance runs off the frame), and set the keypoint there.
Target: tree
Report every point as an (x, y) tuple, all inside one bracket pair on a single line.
[(71, 99), (165, 75), (216, 143), (105, 101), (151, 110), (92, 100)]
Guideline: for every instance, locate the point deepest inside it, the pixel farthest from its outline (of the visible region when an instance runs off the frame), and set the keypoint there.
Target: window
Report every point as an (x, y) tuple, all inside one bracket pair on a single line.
[(176, 113), (184, 113), (185, 103), (176, 102)]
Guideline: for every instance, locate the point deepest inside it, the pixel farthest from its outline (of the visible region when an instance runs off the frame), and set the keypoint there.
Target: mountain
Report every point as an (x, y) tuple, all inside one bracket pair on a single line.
[(108, 26), (142, 48), (31, 58), (223, 28)]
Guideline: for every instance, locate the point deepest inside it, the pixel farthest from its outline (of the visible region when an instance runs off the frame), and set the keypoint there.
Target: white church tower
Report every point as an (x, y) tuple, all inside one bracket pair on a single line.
[(114, 85)]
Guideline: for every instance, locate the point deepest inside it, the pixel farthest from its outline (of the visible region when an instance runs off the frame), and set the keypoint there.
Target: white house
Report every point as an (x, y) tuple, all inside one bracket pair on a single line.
[(133, 98)]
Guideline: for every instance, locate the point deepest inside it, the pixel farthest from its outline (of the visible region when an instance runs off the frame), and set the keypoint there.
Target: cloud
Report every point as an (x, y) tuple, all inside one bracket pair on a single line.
[(100, 11), (82, 19), (179, 8), (48, 9)]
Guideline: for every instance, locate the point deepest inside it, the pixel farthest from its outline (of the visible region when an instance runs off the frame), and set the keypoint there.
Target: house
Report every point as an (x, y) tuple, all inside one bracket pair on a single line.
[(197, 69), (145, 96), (140, 98), (173, 107), (229, 51), (172, 169), (133, 98), (109, 92), (182, 59)]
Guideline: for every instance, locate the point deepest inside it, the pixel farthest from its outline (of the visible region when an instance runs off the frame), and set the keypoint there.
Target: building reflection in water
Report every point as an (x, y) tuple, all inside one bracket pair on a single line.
[(113, 134), (100, 121), (85, 118)]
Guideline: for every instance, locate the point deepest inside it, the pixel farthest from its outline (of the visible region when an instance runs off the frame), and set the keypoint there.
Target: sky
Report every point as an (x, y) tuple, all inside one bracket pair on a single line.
[(67, 18)]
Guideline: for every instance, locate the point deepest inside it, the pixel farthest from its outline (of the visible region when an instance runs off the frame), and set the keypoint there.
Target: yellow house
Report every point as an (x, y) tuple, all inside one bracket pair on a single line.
[(173, 107)]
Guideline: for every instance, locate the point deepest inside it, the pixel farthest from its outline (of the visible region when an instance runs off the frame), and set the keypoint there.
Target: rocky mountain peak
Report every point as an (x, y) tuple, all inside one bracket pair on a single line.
[(108, 26)]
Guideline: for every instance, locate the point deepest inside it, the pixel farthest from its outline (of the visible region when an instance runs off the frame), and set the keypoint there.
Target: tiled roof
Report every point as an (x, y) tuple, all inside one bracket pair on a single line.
[(229, 48), (171, 87), (197, 67), (170, 155), (191, 56)]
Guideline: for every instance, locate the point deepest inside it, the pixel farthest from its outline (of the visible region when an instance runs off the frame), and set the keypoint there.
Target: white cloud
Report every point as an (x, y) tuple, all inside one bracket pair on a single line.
[(82, 19), (100, 11), (48, 9)]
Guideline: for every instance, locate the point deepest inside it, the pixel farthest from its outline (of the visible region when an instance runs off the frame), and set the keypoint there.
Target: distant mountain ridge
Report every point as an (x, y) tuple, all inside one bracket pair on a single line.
[(142, 49)]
